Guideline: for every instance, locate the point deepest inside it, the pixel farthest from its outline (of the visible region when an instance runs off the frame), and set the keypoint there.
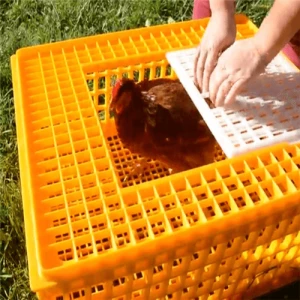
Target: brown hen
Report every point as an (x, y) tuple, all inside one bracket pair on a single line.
[(158, 120)]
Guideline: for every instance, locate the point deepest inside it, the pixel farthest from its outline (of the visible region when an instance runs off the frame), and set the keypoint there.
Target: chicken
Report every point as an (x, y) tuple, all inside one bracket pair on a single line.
[(158, 120)]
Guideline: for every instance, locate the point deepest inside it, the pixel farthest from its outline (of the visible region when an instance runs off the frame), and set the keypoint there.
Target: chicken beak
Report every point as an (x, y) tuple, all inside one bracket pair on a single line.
[(112, 108), (118, 104), (112, 113), (112, 105)]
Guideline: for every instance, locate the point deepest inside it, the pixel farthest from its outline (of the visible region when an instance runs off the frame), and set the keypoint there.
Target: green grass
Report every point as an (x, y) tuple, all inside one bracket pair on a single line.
[(31, 22)]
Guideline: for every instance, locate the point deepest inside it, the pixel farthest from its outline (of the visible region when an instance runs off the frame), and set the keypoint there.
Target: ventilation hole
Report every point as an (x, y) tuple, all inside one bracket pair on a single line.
[(101, 99)]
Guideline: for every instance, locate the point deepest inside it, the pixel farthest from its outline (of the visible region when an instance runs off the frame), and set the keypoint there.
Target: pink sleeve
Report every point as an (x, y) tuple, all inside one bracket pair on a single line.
[(292, 49), (201, 9)]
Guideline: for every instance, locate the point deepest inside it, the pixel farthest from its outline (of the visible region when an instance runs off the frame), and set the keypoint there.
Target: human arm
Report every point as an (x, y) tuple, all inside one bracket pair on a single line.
[(247, 58), (219, 34), (223, 6), (276, 30)]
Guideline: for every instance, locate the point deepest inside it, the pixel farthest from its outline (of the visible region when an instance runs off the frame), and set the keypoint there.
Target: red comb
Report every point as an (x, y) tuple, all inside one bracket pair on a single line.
[(116, 88)]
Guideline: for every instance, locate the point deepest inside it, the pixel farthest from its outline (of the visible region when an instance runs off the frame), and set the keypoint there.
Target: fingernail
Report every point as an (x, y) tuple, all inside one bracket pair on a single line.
[(205, 95)]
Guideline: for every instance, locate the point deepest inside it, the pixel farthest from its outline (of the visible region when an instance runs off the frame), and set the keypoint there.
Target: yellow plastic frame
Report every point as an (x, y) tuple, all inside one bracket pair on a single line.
[(219, 231)]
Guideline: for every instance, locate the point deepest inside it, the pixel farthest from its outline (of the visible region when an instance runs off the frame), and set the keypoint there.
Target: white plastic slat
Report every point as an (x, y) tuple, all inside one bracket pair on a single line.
[(267, 112)]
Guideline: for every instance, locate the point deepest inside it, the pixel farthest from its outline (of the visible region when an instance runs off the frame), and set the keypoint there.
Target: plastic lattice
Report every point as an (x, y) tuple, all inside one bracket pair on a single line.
[(265, 113), (123, 161)]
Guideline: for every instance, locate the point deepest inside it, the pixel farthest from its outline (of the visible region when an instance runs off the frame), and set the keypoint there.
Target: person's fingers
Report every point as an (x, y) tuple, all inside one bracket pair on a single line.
[(216, 79), (222, 91), (200, 68), (235, 89), (210, 64), (196, 64)]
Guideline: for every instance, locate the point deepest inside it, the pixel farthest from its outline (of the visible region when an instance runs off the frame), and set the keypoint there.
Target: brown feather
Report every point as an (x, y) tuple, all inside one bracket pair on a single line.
[(161, 122)]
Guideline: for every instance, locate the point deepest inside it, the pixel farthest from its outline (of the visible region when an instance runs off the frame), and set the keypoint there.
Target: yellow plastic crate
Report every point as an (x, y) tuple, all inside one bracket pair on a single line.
[(222, 231)]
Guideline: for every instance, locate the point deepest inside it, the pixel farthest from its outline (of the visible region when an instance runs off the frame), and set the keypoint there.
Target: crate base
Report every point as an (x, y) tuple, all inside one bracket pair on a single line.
[(123, 160)]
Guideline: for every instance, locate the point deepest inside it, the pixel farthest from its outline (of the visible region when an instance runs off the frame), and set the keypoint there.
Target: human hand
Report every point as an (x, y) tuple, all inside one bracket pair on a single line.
[(219, 34), (236, 66)]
